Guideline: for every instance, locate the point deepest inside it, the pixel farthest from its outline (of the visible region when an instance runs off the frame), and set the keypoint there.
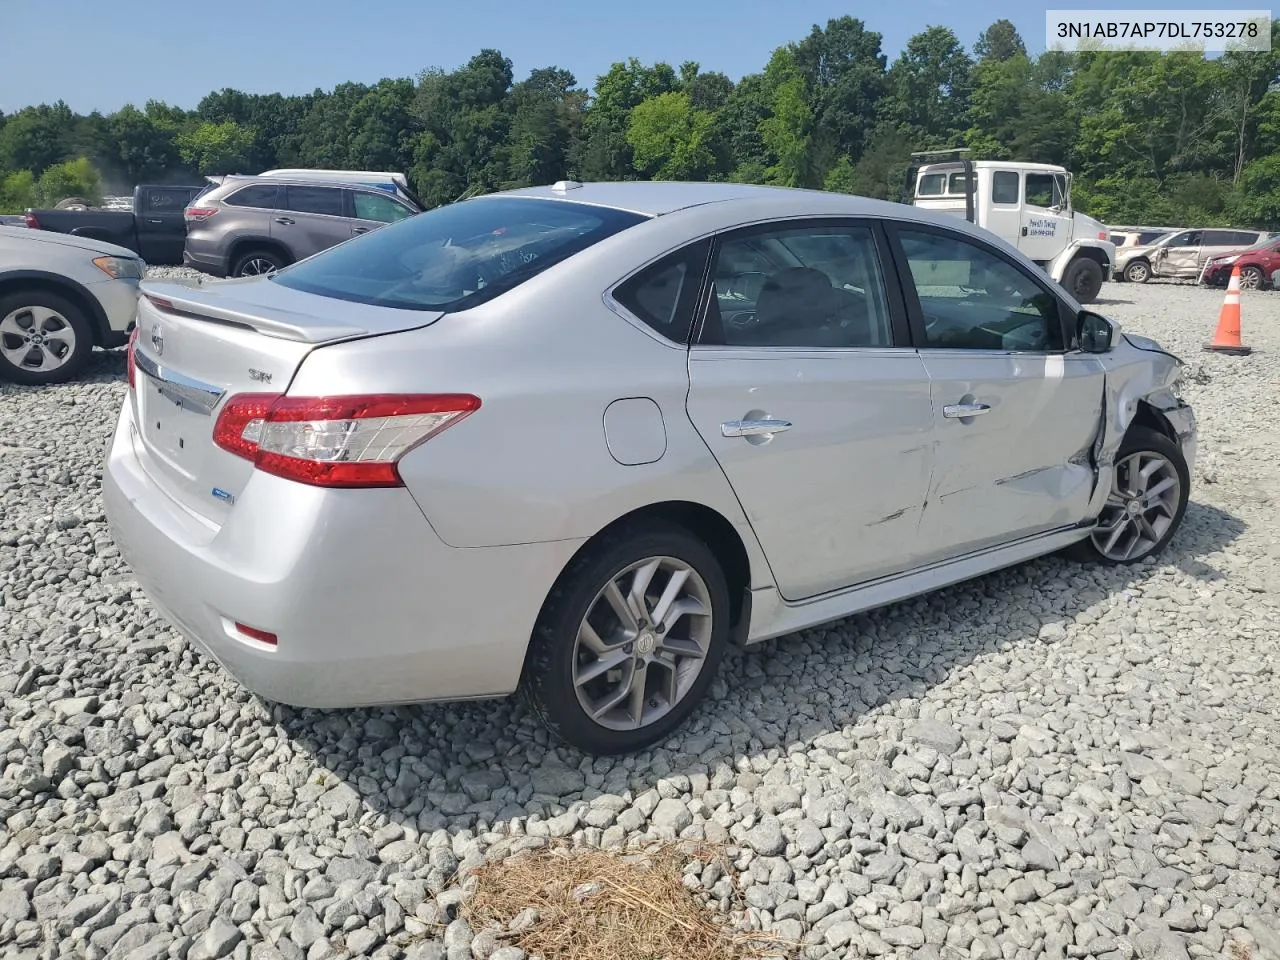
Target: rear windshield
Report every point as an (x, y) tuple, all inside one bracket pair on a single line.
[(456, 256)]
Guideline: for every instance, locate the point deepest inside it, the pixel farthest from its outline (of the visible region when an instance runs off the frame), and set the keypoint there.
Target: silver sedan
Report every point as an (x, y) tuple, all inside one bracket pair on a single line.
[(576, 440)]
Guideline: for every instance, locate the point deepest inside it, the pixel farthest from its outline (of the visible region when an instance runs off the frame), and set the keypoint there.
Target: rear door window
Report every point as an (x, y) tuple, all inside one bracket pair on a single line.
[(263, 196), (323, 200), (456, 256)]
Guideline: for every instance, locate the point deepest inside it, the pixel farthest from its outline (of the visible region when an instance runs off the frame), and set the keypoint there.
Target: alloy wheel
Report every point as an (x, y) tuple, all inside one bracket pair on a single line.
[(1142, 506), (642, 643), (257, 267), (37, 339), (1250, 278)]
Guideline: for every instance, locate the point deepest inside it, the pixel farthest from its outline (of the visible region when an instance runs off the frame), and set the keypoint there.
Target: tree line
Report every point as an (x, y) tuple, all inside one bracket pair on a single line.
[(1172, 138)]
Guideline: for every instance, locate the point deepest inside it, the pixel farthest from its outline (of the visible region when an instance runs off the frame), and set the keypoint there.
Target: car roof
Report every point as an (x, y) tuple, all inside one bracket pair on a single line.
[(655, 198), (241, 179)]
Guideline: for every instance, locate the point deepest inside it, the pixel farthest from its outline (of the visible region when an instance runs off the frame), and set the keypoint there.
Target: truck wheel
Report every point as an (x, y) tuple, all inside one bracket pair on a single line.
[(1138, 272), (1083, 279), (72, 203), (44, 338), (257, 263)]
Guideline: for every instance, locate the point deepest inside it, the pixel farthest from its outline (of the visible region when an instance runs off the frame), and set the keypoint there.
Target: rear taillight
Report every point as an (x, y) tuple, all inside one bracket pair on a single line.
[(353, 441), (32, 222), (199, 213), (129, 362)]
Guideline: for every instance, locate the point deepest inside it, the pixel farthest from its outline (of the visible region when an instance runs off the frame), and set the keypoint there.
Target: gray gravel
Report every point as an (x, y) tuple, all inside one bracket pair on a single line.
[(1053, 761)]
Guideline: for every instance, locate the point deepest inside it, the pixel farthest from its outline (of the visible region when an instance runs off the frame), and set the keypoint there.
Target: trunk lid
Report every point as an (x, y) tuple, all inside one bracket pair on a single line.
[(199, 345)]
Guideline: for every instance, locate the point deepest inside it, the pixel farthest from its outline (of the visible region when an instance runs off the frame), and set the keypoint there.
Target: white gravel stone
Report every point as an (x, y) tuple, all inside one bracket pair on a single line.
[(1054, 760)]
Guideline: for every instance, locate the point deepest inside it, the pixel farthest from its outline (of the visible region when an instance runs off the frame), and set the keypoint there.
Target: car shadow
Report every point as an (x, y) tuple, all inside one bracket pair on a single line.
[(1110, 302), (480, 763)]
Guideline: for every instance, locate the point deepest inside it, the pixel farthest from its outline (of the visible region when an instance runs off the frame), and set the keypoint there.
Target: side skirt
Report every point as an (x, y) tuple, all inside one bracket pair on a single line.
[(771, 616)]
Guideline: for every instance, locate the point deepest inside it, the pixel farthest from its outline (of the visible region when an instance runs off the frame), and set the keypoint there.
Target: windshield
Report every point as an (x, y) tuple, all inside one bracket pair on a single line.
[(456, 256)]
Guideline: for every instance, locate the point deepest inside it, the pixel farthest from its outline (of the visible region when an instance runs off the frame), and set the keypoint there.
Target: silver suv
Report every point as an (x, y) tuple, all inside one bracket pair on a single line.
[(243, 226)]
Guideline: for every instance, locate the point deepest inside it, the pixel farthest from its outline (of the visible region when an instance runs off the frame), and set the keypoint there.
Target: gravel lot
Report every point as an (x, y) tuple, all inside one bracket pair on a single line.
[(1050, 761)]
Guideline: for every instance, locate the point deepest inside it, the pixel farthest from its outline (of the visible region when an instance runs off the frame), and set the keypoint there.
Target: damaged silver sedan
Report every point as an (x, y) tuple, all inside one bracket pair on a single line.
[(576, 440)]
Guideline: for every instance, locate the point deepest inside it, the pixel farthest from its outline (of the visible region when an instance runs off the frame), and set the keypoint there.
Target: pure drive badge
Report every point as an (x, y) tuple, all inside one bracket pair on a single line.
[(223, 495)]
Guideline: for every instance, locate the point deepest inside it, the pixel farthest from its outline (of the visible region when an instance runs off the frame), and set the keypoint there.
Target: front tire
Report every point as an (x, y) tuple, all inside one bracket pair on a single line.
[(629, 639), (1138, 272), (1251, 278), (44, 338), (1083, 279), (1150, 489)]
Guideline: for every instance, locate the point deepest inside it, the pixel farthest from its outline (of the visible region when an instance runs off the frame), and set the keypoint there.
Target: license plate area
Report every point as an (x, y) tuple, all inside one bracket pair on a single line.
[(173, 428)]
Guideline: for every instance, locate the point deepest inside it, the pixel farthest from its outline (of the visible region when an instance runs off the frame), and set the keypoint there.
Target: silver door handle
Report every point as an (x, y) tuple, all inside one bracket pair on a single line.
[(284, 220), (753, 428), (964, 410)]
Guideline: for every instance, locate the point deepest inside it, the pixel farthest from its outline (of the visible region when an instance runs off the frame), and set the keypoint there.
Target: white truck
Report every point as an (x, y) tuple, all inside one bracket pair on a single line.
[(1026, 204)]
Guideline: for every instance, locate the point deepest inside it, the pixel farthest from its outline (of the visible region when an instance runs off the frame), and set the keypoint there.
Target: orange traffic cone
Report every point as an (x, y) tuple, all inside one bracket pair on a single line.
[(1227, 337)]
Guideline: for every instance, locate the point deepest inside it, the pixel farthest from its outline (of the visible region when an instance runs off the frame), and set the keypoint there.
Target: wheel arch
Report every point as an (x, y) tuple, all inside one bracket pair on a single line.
[(713, 528), (15, 280)]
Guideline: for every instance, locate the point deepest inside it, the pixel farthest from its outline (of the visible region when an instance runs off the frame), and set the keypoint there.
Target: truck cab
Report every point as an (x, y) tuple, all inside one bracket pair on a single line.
[(1026, 204)]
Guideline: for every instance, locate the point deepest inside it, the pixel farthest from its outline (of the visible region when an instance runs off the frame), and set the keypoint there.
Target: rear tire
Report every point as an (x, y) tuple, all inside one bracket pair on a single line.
[(44, 338), (585, 656), (257, 263), (1083, 279), (1127, 534)]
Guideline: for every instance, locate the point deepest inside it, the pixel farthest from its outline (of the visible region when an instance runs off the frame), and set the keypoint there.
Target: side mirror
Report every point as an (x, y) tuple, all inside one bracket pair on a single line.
[(1095, 333)]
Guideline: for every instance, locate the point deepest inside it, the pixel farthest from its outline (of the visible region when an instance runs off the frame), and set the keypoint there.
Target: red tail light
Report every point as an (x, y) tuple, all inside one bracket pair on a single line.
[(253, 633), (32, 222), (199, 213), (353, 441), (129, 364)]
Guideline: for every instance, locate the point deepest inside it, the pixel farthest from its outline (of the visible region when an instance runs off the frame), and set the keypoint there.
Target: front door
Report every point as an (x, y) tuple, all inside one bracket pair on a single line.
[(1015, 414), (314, 219), (805, 390), (1180, 257), (371, 209), (1046, 218)]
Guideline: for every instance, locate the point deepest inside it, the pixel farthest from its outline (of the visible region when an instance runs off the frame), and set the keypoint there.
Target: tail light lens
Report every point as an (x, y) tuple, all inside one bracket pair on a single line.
[(1103, 235), (32, 222), (129, 364), (199, 213), (353, 441)]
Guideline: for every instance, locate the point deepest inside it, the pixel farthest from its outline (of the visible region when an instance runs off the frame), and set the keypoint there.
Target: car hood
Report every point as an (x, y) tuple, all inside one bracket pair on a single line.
[(66, 240)]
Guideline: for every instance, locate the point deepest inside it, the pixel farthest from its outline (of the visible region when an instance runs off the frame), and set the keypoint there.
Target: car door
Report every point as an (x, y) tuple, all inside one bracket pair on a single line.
[(1015, 414), (371, 209), (1180, 256), (314, 219), (804, 388), (1046, 226), (162, 231)]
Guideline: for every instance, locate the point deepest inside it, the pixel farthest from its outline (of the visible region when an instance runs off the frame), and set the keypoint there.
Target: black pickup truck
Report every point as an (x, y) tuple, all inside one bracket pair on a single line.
[(154, 228)]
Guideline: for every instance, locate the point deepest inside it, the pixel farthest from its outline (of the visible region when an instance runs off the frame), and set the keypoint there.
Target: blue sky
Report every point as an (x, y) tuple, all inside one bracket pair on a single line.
[(101, 56)]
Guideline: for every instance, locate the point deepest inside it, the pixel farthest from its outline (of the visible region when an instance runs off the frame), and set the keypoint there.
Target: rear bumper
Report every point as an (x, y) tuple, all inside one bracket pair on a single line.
[(369, 606), (206, 263)]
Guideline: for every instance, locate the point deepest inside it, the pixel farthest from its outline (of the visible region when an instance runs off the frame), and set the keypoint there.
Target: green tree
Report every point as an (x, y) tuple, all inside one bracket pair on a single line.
[(17, 191), (216, 148), (74, 178), (929, 88), (1000, 41), (670, 139)]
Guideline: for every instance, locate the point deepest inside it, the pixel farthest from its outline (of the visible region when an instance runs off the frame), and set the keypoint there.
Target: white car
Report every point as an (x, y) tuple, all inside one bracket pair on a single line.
[(59, 297)]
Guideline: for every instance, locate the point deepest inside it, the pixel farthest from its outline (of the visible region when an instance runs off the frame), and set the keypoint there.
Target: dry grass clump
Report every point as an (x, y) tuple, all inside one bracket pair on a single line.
[(598, 905)]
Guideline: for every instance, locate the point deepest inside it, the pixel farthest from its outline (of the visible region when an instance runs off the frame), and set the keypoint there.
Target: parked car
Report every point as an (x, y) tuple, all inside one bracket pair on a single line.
[(1181, 255), (59, 297), (576, 440), (244, 226), (1258, 265), (153, 229), (395, 183)]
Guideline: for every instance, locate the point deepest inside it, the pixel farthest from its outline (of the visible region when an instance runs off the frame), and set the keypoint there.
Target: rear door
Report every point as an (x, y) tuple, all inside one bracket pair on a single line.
[(1014, 412), (371, 209), (162, 232), (314, 218), (804, 388)]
